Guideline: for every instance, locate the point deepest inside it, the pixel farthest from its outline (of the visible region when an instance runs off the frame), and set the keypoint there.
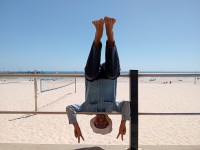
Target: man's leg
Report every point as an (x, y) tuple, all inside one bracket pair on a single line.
[(93, 61), (112, 65)]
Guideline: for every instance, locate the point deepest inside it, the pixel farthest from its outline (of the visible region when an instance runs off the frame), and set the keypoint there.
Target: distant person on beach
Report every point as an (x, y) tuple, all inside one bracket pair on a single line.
[(100, 84)]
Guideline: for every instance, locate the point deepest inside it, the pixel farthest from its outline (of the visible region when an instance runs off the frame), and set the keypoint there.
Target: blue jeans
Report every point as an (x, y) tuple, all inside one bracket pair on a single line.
[(108, 70)]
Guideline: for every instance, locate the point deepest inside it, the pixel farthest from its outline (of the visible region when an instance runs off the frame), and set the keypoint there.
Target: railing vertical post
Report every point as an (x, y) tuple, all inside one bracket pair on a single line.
[(35, 92), (134, 109)]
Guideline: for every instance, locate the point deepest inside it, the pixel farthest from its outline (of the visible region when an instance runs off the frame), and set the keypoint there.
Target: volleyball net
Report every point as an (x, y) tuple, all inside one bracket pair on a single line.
[(49, 84)]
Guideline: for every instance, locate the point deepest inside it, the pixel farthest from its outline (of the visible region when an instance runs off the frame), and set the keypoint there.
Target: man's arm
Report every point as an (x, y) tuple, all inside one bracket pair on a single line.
[(77, 132), (71, 113), (122, 129), (124, 108)]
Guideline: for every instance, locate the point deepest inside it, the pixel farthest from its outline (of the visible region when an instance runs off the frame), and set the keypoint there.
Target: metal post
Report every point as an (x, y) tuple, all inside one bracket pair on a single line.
[(134, 109), (35, 92), (75, 82), (195, 78)]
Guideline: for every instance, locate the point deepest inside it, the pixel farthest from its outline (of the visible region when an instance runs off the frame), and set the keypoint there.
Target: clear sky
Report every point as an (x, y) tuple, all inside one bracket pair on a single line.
[(56, 35)]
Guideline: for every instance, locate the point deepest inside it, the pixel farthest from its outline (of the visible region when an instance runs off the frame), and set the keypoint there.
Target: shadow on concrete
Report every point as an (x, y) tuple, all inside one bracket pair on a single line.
[(90, 148), (94, 148)]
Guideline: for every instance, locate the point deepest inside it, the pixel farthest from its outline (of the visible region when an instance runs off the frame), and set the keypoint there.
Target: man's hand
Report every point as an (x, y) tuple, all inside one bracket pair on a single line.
[(122, 129), (77, 132)]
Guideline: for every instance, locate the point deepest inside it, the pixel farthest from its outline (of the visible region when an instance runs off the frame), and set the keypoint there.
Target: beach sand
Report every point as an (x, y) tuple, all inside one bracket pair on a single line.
[(182, 95)]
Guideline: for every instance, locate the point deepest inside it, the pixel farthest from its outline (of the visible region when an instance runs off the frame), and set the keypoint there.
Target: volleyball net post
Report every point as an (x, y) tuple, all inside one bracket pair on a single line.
[(35, 92)]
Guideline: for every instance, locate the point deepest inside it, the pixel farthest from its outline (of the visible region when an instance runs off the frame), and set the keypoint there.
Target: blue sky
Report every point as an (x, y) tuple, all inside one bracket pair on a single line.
[(56, 35)]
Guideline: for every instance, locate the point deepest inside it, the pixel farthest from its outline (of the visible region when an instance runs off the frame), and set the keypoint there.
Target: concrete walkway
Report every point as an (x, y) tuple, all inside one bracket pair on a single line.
[(19, 146)]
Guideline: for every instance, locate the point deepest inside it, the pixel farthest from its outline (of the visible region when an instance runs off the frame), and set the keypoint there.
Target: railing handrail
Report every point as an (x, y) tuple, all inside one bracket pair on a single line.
[(92, 113), (122, 75), (56, 112), (168, 114)]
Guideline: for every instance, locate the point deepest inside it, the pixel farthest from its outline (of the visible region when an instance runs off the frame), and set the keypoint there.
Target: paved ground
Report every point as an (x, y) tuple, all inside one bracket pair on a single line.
[(15, 146)]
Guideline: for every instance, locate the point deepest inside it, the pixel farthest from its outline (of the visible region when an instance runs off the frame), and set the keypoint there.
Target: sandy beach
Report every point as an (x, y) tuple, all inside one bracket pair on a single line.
[(155, 95)]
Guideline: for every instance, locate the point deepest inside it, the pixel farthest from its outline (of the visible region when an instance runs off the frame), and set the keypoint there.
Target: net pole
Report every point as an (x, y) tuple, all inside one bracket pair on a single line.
[(75, 82), (195, 78), (40, 85), (35, 92)]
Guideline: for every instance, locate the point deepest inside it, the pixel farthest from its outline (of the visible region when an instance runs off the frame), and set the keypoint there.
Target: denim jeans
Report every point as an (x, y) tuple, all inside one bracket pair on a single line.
[(108, 70)]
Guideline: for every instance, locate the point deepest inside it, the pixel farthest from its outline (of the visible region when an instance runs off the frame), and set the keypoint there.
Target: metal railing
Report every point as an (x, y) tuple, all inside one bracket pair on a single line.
[(35, 76), (122, 75), (133, 81)]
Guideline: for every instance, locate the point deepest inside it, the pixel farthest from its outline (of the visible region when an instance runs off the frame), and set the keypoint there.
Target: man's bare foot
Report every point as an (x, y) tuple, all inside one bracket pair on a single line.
[(109, 23), (99, 30)]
